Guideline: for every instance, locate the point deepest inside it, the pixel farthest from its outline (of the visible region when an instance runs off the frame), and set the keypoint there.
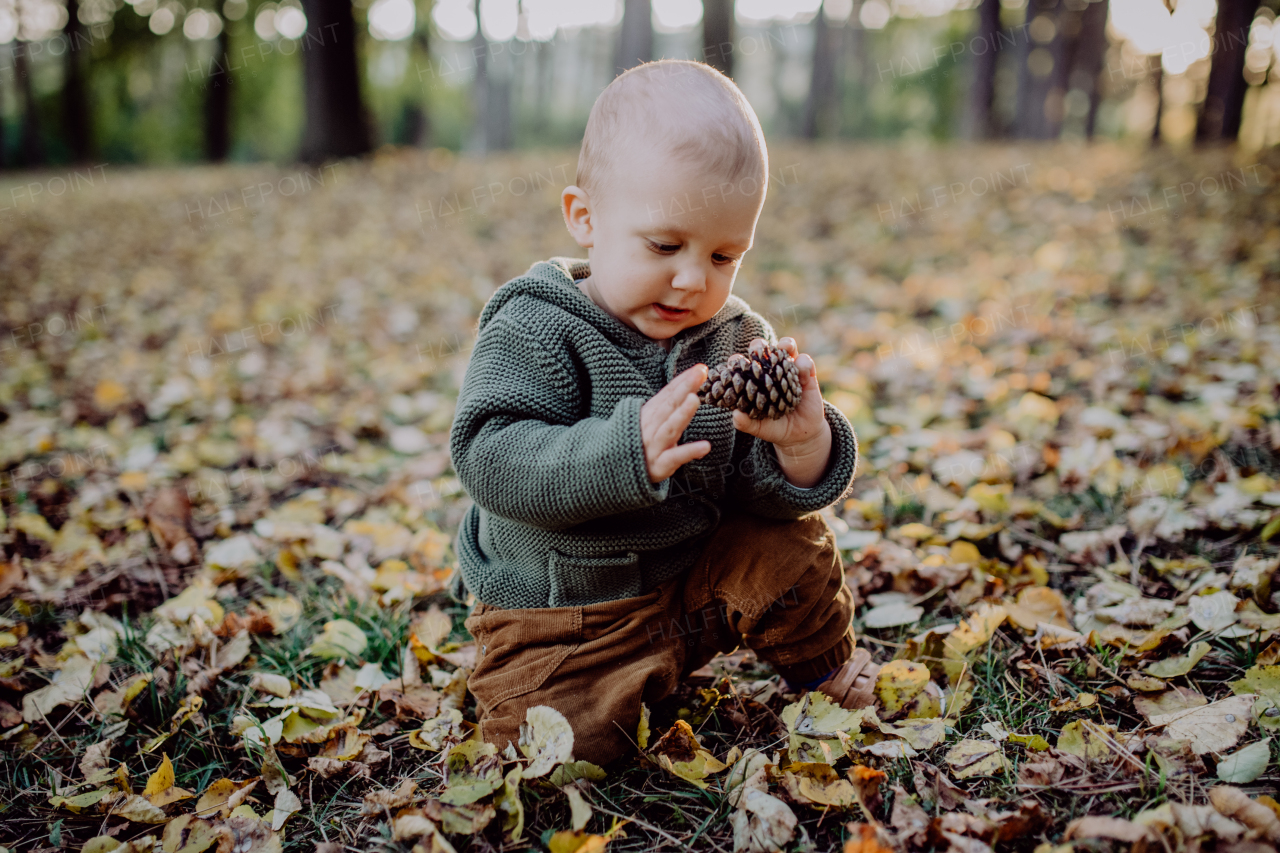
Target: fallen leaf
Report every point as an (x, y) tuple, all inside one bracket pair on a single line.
[(679, 753), (546, 738), (1212, 728), (975, 758), (1234, 803), (1096, 826), (340, 638), (160, 788), (579, 809), (1039, 604), (1180, 665), (1246, 764), (761, 823), (287, 803), (899, 682)]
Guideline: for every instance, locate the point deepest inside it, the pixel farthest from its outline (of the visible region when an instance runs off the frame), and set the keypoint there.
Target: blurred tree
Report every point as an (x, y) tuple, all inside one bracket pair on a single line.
[(76, 120), (717, 35), (820, 116), (635, 36), (31, 150), (419, 115), (336, 124), (217, 102), (1042, 71), (1090, 58), (491, 129), (1219, 119), (1157, 82), (980, 119)]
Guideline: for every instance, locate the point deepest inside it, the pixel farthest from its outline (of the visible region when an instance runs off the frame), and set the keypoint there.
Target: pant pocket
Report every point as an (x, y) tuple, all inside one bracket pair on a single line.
[(515, 660)]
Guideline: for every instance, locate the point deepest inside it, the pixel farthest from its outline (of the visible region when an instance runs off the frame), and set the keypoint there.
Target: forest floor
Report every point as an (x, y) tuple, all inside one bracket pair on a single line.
[(228, 511)]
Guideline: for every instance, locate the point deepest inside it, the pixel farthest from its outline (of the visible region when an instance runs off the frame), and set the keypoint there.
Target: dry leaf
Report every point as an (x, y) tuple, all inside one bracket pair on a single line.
[(1212, 728)]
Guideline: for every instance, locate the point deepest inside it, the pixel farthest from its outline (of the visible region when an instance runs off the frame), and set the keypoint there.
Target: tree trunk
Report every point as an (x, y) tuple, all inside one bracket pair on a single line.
[(824, 93), (336, 124), (75, 105), (421, 131), (1042, 73), (717, 35), (217, 103), (1157, 79), (981, 121), (32, 150), (1219, 119), (1087, 75), (480, 89), (635, 39)]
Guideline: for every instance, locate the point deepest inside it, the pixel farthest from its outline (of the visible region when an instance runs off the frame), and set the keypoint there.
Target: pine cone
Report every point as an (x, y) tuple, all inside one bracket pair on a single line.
[(764, 384)]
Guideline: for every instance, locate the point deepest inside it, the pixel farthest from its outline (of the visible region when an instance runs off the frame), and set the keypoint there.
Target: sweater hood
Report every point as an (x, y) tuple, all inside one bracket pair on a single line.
[(552, 282)]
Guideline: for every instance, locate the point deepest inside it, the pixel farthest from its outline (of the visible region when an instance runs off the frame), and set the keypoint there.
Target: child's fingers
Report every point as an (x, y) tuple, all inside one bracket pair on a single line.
[(674, 426), (673, 394), (672, 459)]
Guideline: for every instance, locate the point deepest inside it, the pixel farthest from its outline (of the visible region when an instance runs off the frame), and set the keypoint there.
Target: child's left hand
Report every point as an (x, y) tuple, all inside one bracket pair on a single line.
[(805, 425)]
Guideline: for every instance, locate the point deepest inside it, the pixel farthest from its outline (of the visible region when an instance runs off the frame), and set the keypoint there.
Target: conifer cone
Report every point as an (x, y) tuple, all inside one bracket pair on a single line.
[(763, 384)]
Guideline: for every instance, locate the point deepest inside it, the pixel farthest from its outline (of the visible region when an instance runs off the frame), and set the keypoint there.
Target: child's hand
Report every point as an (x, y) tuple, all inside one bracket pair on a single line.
[(803, 436), (664, 417)]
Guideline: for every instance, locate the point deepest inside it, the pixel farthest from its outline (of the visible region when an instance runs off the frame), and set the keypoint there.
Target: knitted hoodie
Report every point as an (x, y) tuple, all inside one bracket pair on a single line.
[(546, 441)]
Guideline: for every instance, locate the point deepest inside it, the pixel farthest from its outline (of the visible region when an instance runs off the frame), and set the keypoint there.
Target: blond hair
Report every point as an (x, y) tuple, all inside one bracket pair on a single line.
[(701, 111)]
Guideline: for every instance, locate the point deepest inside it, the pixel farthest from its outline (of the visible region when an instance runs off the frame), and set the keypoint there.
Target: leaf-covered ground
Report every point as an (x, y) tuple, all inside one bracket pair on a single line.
[(228, 512)]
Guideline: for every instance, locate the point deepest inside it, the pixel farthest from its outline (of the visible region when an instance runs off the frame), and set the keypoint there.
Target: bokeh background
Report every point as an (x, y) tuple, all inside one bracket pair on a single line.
[(166, 81)]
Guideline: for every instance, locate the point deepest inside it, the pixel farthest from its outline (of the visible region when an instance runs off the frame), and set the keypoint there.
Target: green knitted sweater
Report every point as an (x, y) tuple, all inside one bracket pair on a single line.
[(546, 441)]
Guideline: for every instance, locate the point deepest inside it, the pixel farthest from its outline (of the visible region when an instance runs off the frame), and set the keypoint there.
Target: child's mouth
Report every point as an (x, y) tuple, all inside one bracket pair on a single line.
[(670, 313)]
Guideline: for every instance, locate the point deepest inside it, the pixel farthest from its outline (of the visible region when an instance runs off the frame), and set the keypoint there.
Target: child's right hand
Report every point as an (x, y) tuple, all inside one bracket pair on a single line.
[(663, 419)]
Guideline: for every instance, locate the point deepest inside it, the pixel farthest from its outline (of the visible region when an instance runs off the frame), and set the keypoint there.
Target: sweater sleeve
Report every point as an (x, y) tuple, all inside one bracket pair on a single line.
[(522, 451), (762, 488)]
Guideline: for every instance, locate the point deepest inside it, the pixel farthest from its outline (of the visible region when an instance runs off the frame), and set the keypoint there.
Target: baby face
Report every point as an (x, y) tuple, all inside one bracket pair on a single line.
[(666, 239)]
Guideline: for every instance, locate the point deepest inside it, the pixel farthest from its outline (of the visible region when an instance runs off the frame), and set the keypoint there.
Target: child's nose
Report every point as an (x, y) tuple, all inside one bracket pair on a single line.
[(692, 277)]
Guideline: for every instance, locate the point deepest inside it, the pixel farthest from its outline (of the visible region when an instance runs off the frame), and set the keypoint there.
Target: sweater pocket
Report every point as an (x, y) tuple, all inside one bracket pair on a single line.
[(577, 581)]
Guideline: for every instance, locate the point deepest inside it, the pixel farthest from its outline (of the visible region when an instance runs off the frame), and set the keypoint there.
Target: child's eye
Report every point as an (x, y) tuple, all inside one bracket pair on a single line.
[(723, 259), (665, 248)]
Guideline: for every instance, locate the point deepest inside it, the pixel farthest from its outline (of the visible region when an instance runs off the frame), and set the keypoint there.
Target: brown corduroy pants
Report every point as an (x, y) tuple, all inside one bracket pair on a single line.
[(776, 586)]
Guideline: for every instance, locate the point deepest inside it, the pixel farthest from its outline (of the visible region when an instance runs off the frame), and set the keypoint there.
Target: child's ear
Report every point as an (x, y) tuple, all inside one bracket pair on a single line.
[(575, 206)]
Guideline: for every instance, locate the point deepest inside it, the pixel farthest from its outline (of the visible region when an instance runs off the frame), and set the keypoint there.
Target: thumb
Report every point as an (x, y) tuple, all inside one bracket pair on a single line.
[(744, 423)]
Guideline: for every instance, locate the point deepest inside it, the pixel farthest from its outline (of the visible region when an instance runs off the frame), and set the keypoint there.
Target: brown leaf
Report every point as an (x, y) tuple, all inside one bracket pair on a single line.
[(1234, 803), (1095, 826), (169, 519)]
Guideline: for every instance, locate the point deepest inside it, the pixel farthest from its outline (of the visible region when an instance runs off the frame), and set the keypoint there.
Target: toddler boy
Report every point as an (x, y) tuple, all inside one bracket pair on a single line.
[(622, 534)]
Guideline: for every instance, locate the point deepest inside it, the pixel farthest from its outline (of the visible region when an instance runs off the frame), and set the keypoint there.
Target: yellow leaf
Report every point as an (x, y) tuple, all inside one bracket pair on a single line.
[(222, 796), (899, 682), (680, 754), (914, 530), (975, 758), (570, 841), (642, 730), (109, 394), (1087, 740), (340, 638), (1038, 604), (963, 552), (1180, 665), (138, 809), (1211, 728), (160, 789), (190, 834)]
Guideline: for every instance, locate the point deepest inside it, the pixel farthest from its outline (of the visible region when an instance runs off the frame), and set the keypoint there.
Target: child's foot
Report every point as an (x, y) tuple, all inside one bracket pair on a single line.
[(852, 685)]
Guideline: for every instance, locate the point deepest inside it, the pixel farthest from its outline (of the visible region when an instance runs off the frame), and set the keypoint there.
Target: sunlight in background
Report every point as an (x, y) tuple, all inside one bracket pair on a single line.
[(1181, 37), (542, 19), (392, 20)]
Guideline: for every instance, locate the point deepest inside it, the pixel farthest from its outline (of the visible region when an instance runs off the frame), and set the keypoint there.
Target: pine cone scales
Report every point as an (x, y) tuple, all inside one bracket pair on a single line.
[(763, 384)]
